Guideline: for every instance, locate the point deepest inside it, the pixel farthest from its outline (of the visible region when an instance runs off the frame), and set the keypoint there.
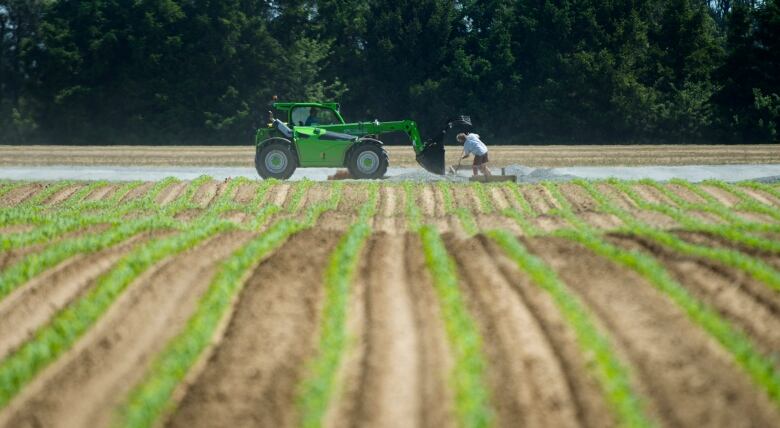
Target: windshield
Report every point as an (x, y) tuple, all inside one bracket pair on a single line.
[(313, 116)]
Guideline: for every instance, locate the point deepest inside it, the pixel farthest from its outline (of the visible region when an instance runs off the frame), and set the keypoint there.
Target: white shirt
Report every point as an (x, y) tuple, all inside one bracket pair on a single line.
[(473, 145)]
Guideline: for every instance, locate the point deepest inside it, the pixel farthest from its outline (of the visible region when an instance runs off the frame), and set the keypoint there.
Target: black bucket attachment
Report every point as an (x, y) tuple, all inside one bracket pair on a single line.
[(431, 157)]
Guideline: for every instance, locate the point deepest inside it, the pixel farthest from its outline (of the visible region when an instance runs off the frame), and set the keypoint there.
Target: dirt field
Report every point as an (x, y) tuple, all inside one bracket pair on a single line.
[(400, 156), (707, 261)]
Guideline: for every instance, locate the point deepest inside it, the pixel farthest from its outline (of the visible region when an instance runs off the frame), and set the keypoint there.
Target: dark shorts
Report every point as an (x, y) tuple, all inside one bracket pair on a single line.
[(479, 160)]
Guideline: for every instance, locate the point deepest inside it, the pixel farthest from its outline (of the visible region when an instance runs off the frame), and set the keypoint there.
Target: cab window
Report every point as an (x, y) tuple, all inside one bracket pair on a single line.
[(313, 116)]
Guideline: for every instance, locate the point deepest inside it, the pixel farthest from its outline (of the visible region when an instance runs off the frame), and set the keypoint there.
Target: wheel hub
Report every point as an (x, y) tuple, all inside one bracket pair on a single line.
[(276, 161), (368, 162)]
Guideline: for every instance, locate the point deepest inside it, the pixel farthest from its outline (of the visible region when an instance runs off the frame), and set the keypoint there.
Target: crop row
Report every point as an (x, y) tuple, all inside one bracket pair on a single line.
[(760, 367), (152, 397), (68, 325)]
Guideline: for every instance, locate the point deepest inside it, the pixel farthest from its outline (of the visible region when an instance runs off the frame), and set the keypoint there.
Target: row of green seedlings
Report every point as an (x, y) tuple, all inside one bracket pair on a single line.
[(747, 202), (152, 399), (34, 264), (613, 375), (472, 400), (736, 230), (52, 340), (49, 342), (316, 392), (464, 216), (756, 268), (759, 367), (75, 214), (120, 230), (49, 224)]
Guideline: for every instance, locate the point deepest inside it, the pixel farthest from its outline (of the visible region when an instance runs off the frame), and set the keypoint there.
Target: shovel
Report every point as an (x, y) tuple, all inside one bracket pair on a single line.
[(453, 170)]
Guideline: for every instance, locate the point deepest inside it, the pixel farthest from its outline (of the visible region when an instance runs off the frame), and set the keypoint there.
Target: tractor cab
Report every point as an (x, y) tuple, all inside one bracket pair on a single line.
[(311, 114)]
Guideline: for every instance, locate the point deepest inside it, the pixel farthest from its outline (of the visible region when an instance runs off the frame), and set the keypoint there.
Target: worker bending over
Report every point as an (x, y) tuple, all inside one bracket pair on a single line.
[(473, 145)]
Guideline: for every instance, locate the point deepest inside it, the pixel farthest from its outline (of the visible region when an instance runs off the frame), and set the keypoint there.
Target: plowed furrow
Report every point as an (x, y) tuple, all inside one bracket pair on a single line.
[(102, 192), (30, 306), (435, 355), (388, 217), (724, 197), (587, 208), (63, 194), (206, 193), (15, 255), (136, 193), (171, 192), (528, 383), (251, 377), (674, 361), (245, 193), (396, 378), (84, 387), (762, 196), (750, 305), (20, 194), (686, 194), (588, 397)]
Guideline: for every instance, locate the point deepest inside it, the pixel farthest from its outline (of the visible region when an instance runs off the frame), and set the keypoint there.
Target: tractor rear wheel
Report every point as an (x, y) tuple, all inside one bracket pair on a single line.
[(368, 160), (275, 160)]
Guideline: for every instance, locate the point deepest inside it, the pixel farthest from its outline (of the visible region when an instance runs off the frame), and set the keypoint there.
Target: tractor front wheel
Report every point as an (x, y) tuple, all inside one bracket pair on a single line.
[(368, 160), (275, 160)]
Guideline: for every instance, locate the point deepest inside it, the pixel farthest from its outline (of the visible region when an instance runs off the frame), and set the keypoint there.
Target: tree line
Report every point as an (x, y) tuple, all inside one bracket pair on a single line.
[(527, 71)]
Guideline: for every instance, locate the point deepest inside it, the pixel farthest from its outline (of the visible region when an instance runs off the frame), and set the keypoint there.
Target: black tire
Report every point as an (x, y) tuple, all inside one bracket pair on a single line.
[(276, 160), (368, 160)]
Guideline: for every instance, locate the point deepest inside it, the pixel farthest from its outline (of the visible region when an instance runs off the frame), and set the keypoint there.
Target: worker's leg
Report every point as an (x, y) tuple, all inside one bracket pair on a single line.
[(485, 170)]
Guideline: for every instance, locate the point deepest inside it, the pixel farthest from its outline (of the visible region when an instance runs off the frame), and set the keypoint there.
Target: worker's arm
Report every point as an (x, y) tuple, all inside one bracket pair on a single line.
[(465, 154)]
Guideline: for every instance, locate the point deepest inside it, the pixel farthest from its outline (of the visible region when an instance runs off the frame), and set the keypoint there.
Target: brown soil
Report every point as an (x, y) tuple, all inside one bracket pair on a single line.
[(318, 193), (20, 194), (542, 202), (84, 387), (403, 155), (136, 193), (652, 195), (251, 377), (102, 192), (16, 228), (762, 196), (10, 257), (620, 199), (587, 208), (171, 193), (63, 194), (238, 217), (726, 198), (750, 305), (686, 378), (390, 213), (33, 304), (397, 374), (685, 194), (206, 193), (188, 214), (530, 388), (245, 193), (278, 194)]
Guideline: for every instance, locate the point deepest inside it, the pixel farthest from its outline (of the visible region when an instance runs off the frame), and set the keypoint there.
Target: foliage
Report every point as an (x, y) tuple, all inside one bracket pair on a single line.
[(203, 71)]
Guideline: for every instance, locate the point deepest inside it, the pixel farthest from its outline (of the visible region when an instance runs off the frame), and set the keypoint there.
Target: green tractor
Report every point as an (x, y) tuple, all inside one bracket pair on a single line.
[(315, 135)]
